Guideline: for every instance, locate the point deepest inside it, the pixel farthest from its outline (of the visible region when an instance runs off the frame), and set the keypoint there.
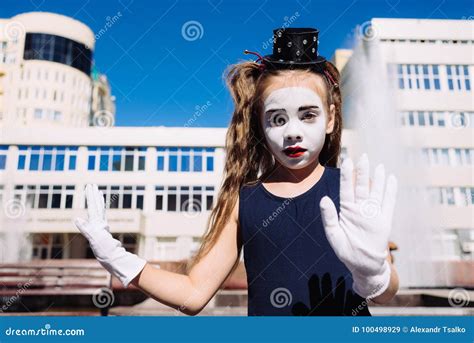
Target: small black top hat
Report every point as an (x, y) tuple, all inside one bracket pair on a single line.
[(294, 48)]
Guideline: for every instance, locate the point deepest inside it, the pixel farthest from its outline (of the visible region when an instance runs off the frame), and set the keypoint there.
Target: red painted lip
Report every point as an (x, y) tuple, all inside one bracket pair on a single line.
[(294, 151)]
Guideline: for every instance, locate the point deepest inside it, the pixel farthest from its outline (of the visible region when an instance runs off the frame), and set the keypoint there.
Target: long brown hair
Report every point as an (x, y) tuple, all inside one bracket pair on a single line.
[(247, 157)]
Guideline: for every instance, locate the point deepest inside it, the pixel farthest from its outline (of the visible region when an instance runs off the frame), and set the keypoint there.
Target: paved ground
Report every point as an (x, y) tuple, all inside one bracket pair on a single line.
[(405, 304), (151, 308)]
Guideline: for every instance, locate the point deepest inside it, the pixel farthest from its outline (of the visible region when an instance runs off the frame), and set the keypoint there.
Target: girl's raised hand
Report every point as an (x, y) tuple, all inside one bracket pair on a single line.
[(108, 250), (359, 236)]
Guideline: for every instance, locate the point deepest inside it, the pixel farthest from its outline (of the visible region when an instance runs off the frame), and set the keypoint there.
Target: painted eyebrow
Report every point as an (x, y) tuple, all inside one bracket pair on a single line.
[(302, 108), (275, 110)]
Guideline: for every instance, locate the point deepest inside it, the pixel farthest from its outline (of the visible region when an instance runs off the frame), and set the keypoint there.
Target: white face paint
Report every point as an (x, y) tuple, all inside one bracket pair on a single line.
[(294, 117)]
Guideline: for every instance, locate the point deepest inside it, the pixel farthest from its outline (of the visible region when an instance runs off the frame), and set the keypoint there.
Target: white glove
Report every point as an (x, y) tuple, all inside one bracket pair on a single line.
[(108, 250), (360, 235)]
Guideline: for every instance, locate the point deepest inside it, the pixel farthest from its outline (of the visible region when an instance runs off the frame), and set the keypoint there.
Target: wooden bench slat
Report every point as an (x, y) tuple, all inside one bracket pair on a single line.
[(52, 282), (49, 277), (55, 272), (67, 291)]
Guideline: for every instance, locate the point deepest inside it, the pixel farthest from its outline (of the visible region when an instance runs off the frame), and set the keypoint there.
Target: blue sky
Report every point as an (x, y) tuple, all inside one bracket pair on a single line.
[(161, 78)]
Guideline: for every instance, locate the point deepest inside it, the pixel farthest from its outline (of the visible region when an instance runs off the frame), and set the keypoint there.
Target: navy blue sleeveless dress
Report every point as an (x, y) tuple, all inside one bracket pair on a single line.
[(291, 268)]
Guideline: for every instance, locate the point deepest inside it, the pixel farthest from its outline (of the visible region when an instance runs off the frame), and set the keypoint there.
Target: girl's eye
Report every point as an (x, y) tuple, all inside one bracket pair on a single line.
[(279, 119), (309, 115)]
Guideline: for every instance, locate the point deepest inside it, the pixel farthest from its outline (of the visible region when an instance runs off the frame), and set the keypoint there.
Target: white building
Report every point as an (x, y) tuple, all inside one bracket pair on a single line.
[(431, 66), (160, 183), (45, 65), (160, 186)]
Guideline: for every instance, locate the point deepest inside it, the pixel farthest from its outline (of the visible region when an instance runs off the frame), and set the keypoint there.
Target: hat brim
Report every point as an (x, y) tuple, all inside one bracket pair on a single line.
[(278, 64)]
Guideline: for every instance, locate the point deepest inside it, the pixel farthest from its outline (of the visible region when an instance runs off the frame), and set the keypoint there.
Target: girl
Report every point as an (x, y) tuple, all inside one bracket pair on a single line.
[(314, 237)]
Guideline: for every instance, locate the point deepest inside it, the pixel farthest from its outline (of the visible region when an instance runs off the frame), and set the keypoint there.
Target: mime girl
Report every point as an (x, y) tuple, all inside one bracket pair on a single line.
[(314, 237)]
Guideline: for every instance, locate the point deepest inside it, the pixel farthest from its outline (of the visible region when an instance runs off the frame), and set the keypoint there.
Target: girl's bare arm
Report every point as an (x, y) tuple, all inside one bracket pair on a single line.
[(190, 293), (392, 288)]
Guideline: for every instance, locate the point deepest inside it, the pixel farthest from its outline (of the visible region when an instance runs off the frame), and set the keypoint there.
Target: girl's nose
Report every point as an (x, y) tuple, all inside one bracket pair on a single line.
[(293, 133), (293, 137)]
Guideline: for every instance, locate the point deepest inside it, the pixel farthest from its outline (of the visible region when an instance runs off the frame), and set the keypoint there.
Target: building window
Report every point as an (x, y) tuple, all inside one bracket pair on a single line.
[(123, 197), (47, 47), (452, 196), (463, 157), (427, 41), (43, 113), (449, 119), (159, 196), (3, 156), (116, 158), (418, 76), (47, 158), (3, 52), (465, 242), (129, 241), (453, 157), (191, 199), (166, 249), (458, 77), (38, 113), (45, 196), (185, 159), (48, 246), (436, 156)]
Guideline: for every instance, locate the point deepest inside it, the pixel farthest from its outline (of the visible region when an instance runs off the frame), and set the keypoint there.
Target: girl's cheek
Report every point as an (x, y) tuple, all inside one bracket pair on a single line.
[(316, 127), (274, 137)]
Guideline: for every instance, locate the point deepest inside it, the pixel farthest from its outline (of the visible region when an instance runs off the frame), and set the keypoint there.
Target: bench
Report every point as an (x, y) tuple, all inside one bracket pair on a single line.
[(55, 279)]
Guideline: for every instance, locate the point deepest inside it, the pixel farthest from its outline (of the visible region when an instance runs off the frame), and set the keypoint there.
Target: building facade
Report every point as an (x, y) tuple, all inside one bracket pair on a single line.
[(45, 71), (429, 65), (159, 187)]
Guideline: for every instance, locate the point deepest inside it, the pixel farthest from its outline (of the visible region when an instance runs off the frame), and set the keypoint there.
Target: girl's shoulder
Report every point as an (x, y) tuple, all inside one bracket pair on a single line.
[(333, 170), (249, 186), (333, 179)]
